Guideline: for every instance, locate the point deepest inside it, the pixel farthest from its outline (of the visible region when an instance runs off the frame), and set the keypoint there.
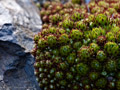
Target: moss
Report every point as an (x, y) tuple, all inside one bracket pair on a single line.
[(76, 16), (93, 75), (111, 65), (82, 69), (111, 48), (55, 18), (118, 85), (102, 19), (118, 36), (55, 52), (67, 24), (75, 87), (76, 34), (37, 65), (64, 38), (51, 40), (111, 85), (63, 82), (52, 30), (96, 9), (77, 1), (101, 83), (47, 54), (69, 76), (96, 65), (80, 25), (63, 66), (103, 4), (94, 47), (84, 53), (78, 46), (101, 40), (96, 32), (110, 36), (36, 38), (111, 10), (41, 43), (101, 56), (59, 75), (52, 71), (71, 58), (87, 87), (65, 50)]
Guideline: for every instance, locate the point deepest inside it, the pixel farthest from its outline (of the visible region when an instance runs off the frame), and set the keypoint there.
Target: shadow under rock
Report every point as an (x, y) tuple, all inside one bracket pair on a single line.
[(16, 68)]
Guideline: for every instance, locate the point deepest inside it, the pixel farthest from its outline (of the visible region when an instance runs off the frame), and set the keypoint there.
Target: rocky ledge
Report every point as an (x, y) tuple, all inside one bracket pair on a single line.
[(19, 21)]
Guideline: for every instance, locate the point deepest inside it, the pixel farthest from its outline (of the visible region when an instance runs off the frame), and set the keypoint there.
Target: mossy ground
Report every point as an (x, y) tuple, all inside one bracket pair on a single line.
[(79, 46)]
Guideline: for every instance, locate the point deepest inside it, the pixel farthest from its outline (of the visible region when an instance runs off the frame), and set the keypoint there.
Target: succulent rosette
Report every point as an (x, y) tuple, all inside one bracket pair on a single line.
[(78, 49)]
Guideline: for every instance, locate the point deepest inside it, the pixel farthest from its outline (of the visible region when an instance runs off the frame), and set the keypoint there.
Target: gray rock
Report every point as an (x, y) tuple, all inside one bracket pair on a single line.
[(19, 23), (16, 68), (24, 17)]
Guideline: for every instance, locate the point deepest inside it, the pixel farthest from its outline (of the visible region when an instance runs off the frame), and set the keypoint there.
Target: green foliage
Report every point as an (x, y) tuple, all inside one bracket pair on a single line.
[(78, 48)]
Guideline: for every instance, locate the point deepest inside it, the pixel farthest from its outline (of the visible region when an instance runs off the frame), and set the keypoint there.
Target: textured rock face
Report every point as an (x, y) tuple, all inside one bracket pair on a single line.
[(25, 18), (16, 71), (19, 22)]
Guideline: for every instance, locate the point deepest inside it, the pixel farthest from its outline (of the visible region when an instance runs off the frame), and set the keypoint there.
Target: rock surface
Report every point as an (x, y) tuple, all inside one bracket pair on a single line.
[(19, 21), (24, 17)]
